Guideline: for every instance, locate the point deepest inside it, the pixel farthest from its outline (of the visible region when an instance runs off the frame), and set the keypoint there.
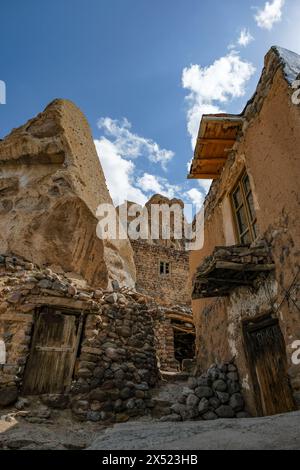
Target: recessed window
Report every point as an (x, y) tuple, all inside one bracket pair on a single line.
[(244, 213), (164, 268)]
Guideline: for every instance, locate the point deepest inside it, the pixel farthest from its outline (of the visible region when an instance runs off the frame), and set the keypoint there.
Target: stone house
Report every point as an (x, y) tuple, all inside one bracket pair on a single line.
[(246, 277), (73, 346), (162, 273)]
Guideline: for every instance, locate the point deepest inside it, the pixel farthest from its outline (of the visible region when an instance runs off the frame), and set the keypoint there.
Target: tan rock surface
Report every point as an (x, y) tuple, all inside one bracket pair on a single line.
[(51, 183)]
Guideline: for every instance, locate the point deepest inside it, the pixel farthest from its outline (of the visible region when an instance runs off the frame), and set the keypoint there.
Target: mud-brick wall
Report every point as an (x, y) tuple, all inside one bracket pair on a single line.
[(117, 365), (174, 288), (269, 151)]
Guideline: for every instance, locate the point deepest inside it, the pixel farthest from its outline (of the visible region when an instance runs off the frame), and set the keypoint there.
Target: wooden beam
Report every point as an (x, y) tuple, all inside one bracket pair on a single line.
[(243, 266), (181, 317), (207, 140), (211, 160), (207, 176), (217, 280), (184, 330)]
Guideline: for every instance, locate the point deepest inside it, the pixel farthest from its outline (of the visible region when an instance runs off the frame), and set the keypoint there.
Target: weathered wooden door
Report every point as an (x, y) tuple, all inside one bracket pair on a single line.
[(50, 365), (268, 362)]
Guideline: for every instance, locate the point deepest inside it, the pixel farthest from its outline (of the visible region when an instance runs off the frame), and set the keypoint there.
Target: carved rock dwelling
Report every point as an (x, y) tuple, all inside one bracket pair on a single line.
[(246, 277)]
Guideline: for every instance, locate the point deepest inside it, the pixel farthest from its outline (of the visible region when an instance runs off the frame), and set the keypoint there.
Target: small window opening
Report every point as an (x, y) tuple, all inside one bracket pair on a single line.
[(164, 268)]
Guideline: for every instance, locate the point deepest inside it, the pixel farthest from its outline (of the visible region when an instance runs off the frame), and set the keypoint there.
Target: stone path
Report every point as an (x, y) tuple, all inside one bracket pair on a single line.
[(271, 433), (277, 432)]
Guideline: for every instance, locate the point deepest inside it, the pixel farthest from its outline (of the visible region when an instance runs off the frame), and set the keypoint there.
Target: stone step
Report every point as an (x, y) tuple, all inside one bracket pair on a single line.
[(174, 376)]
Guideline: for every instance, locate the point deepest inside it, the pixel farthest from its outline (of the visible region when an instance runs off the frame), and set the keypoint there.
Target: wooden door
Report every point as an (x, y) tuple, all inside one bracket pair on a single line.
[(50, 365), (268, 362)]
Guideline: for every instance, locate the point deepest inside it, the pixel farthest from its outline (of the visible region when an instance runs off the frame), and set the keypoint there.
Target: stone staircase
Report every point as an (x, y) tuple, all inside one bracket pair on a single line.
[(167, 393)]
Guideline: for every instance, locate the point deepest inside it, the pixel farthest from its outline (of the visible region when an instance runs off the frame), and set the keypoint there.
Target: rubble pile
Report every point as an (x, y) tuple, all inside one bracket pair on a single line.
[(213, 395)]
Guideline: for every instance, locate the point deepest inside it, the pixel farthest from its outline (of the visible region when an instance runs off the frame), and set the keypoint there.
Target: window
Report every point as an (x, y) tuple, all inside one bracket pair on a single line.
[(243, 208), (164, 268)]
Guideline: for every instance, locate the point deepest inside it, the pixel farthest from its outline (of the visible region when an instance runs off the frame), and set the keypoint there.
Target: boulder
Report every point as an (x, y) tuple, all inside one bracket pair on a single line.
[(237, 402), (220, 386), (204, 392), (223, 397), (8, 396), (225, 411), (210, 416), (192, 401), (203, 406)]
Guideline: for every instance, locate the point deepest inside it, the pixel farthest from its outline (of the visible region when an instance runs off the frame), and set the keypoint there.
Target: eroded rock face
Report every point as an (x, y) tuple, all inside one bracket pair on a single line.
[(51, 183)]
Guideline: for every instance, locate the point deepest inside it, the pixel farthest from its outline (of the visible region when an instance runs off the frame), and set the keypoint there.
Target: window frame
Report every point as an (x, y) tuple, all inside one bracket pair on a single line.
[(165, 263), (251, 222)]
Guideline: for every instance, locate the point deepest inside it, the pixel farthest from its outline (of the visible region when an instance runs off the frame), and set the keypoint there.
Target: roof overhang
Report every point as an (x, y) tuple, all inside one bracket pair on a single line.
[(216, 138)]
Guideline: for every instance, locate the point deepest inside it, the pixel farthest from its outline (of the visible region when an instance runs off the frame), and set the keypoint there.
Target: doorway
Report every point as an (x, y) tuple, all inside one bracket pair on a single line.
[(55, 342), (266, 352), (184, 345)]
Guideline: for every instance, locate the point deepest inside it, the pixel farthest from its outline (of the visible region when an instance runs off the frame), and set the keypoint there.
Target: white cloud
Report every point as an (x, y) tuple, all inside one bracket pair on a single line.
[(118, 151), (119, 174), (156, 184), (131, 145), (123, 184), (149, 183), (195, 196), (245, 37), (270, 14), (210, 87), (121, 177)]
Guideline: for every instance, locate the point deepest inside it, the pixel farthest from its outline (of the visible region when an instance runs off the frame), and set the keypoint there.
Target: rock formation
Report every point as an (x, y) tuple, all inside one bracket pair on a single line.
[(51, 183)]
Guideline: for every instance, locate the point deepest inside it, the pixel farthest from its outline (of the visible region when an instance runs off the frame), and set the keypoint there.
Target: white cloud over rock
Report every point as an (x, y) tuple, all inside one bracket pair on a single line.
[(157, 184), (131, 145), (124, 183), (270, 14), (196, 197), (119, 173)]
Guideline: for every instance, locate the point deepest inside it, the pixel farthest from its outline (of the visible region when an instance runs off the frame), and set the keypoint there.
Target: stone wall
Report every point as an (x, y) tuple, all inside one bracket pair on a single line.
[(171, 289), (268, 150), (215, 394), (164, 345), (116, 362)]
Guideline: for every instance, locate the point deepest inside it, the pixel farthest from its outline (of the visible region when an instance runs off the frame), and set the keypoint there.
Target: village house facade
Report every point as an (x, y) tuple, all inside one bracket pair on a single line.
[(246, 278)]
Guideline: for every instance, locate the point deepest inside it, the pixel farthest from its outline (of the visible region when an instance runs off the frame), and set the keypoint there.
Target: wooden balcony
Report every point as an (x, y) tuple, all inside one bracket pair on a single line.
[(230, 267)]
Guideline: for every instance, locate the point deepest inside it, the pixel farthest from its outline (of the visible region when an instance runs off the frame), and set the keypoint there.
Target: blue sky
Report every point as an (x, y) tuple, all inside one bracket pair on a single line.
[(142, 71)]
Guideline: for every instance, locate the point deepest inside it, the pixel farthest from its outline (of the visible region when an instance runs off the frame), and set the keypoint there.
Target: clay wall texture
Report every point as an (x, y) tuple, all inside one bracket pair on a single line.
[(269, 151)]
